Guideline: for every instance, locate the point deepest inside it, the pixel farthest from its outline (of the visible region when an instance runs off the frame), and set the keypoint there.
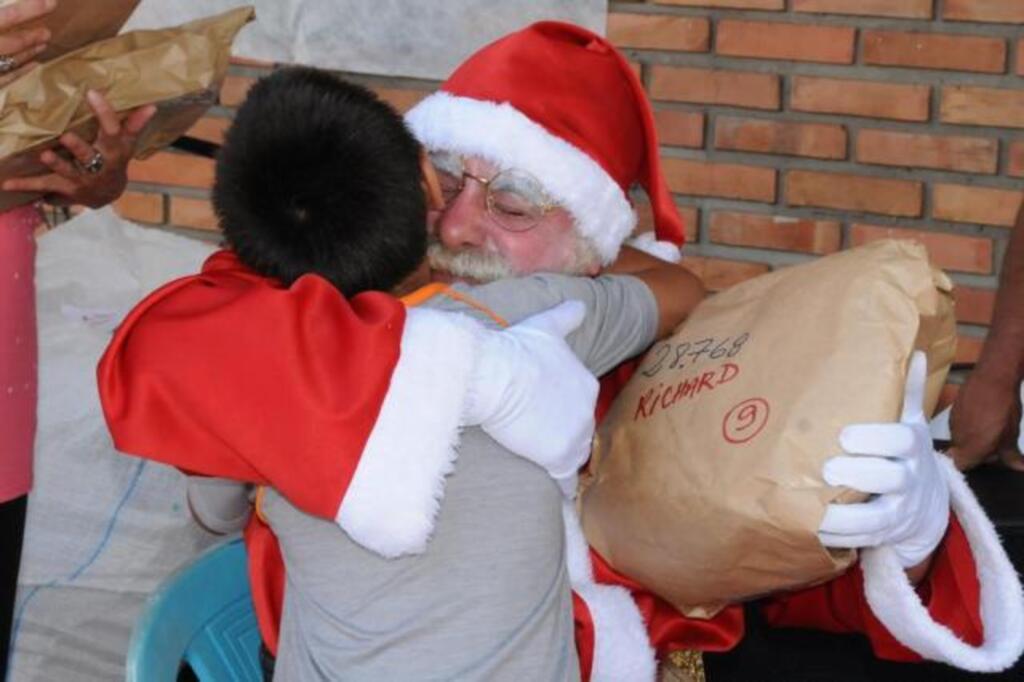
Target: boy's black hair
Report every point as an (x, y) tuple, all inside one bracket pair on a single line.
[(317, 175)]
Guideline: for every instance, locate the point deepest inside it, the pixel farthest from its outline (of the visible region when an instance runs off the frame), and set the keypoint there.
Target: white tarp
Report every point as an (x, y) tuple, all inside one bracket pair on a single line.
[(103, 529), (386, 37)]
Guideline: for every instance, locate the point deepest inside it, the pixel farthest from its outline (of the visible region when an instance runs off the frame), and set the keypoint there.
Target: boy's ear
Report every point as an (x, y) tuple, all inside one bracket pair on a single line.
[(430, 183)]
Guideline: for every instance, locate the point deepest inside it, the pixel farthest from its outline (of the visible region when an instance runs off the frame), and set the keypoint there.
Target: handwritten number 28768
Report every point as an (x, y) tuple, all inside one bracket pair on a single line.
[(688, 353)]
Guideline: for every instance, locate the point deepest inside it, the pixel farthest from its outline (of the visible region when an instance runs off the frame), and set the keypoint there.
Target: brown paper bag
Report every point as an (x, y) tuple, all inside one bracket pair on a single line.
[(706, 485), (178, 69), (75, 23)]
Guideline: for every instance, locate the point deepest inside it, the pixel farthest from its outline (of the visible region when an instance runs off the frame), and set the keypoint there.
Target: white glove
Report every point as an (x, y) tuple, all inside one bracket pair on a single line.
[(531, 394), (897, 464)]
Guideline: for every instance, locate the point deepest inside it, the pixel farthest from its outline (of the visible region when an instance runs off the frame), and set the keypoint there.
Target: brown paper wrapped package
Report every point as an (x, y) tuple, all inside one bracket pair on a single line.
[(75, 23), (706, 485), (178, 69)]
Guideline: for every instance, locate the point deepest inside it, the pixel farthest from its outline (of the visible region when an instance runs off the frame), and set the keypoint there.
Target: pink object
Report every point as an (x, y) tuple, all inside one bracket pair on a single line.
[(18, 353)]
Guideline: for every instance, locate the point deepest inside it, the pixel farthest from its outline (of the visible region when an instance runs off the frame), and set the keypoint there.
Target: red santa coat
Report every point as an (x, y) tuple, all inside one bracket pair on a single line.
[(328, 430)]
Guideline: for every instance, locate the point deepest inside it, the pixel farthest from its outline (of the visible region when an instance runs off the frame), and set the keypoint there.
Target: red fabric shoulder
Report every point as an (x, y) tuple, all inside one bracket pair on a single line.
[(178, 379)]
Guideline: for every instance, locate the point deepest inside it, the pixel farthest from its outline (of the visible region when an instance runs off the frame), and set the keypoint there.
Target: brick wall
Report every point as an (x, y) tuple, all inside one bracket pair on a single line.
[(790, 129)]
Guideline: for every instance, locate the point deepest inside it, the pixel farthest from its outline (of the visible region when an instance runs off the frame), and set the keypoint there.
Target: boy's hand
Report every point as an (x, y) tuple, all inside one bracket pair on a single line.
[(533, 396)]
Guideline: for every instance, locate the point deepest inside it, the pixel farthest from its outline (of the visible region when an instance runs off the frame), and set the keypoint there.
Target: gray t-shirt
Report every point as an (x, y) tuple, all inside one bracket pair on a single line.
[(490, 598)]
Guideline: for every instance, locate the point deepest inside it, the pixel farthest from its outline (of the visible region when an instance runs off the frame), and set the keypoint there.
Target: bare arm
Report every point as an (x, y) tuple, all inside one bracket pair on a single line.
[(676, 289), (987, 408)]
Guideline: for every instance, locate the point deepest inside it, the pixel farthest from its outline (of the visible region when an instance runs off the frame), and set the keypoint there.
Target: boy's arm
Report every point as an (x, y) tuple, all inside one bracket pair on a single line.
[(223, 376), (351, 410), (676, 289)]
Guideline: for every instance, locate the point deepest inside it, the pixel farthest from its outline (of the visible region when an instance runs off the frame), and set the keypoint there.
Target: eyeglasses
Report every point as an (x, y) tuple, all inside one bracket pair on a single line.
[(515, 199)]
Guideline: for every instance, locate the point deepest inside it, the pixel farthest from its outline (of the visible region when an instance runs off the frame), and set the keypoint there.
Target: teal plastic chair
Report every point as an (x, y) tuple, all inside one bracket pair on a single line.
[(201, 615)]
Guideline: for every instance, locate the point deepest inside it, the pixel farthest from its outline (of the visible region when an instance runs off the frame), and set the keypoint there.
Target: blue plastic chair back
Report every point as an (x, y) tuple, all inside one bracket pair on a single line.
[(202, 615)]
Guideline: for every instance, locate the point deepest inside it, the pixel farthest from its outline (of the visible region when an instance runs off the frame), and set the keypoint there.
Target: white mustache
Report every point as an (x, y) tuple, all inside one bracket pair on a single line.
[(475, 264)]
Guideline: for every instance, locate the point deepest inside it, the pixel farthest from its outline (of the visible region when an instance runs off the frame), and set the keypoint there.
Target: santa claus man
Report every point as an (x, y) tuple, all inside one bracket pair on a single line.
[(559, 106)]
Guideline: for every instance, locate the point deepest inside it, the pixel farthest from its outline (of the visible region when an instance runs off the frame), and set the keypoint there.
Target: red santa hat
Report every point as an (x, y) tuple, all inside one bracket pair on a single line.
[(562, 104)]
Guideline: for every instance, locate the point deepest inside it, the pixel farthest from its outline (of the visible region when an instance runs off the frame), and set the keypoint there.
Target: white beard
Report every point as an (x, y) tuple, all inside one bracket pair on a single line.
[(473, 264)]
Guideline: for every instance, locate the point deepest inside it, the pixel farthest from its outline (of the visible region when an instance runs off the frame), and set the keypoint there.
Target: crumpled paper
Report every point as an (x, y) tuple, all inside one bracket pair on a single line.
[(706, 481), (178, 69)]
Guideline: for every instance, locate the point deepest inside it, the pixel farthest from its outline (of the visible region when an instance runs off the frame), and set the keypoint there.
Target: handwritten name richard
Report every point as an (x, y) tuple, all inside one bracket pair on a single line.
[(664, 396)]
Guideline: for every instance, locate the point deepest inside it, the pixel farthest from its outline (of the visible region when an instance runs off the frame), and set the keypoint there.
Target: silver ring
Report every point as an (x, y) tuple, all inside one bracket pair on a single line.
[(95, 164), (7, 64)]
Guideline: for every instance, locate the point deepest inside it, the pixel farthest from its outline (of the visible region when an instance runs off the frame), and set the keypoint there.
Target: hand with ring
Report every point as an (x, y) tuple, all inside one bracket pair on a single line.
[(19, 47), (98, 172)]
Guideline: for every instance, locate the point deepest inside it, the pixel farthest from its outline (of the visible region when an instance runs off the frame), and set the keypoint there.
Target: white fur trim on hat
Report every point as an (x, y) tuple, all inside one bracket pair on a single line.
[(622, 648), (391, 504), (649, 244), (896, 604), (501, 134)]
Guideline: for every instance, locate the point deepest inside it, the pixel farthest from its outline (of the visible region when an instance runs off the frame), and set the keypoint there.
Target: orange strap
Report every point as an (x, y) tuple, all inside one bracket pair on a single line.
[(424, 294), (258, 504)]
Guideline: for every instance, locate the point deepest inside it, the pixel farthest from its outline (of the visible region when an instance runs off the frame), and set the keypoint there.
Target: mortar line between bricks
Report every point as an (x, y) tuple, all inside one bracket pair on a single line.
[(780, 258), (845, 234), (712, 33), (852, 123), (250, 71), (873, 23), (749, 254), (849, 218), (998, 254), (707, 205), (927, 206), (170, 190), (783, 163), (1013, 53), (999, 236), (855, 122), (390, 82), (776, 258), (703, 227), (895, 75), (785, 115), (974, 281), (972, 330), (208, 236), (219, 111)]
